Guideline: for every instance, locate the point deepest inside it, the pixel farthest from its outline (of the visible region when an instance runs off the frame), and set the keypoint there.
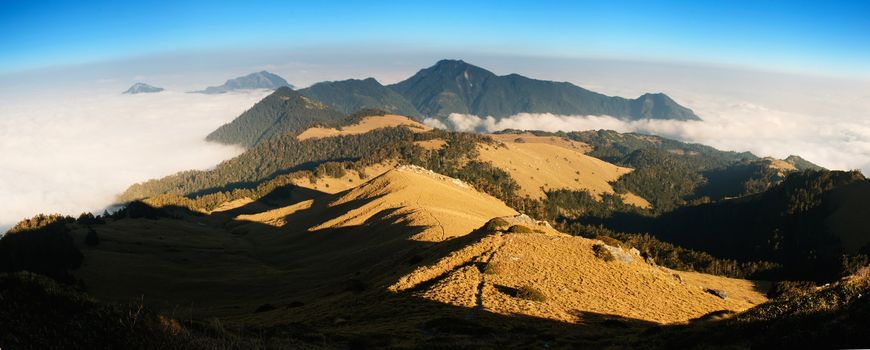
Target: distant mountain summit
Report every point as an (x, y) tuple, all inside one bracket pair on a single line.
[(453, 86), (259, 80), (142, 88), (352, 95)]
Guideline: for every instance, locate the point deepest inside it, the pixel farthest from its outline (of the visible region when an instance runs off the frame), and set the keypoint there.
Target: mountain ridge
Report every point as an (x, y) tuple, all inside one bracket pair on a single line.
[(454, 86), (352, 95)]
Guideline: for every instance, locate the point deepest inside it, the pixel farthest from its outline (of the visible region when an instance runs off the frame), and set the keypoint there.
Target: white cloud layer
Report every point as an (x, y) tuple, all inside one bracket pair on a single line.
[(70, 153), (836, 142)]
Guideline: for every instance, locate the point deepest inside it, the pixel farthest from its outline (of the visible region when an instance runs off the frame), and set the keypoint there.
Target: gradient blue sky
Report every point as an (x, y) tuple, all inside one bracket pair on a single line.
[(819, 37)]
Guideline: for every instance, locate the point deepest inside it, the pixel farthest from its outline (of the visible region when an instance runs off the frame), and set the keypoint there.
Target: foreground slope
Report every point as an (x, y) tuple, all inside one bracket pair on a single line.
[(567, 278), (305, 245), (310, 247)]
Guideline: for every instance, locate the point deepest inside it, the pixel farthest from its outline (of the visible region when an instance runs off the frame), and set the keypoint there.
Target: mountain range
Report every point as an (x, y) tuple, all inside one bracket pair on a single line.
[(450, 86), (453, 86)]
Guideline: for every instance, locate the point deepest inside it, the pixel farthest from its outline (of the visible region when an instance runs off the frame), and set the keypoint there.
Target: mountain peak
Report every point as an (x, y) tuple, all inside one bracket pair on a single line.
[(456, 67), (142, 88), (258, 80)]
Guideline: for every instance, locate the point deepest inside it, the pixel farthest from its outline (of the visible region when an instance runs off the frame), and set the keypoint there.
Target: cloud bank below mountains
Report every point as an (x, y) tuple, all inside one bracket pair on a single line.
[(74, 152), (835, 143)]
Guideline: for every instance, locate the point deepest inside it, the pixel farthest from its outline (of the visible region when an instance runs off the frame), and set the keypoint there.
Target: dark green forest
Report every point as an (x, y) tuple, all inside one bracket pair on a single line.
[(283, 112)]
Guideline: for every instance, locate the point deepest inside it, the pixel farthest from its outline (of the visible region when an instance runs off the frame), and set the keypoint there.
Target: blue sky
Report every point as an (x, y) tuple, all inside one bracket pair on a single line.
[(821, 37)]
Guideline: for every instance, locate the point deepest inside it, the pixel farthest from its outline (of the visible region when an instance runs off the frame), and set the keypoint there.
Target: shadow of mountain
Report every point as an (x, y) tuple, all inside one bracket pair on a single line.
[(328, 287)]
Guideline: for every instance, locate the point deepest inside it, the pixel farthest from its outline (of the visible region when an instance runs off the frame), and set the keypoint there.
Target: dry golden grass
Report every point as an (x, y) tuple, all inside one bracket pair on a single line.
[(446, 207), (233, 204), (528, 137), (572, 281), (351, 179), (364, 258), (365, 125), (537, 165), (780, 164), (635, 200)]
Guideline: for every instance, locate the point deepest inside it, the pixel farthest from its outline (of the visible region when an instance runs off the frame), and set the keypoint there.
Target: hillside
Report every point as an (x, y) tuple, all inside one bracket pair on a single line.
[(566, 279), (281, 112), (349, 96), (453, 86), (541, 164), (408, 241), (813, 223), (258, 80), (365, 125)]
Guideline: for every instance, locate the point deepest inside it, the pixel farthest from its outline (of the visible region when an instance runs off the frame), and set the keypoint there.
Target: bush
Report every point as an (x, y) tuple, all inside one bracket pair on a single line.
[(41, 245), (602, 253), (531, 293), (91, 238), (790, 288), (613, 242), (497, 224), (330, 169)]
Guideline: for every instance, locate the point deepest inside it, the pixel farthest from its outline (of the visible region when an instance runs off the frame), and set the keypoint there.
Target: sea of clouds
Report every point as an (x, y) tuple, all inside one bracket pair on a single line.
[(70, 152), (832, 141)]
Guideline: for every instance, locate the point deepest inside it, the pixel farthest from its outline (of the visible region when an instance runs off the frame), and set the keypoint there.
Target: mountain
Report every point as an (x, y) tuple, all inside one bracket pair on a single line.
[(351, 95), (281, 112), (142, 88), (453, 86), (259, 80)]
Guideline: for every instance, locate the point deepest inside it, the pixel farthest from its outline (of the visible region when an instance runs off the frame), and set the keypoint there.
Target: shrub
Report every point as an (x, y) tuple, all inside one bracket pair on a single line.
[(602, 253), (91, 238), (613, 242), (497, 224), (330, 169), (790, 288), (531, 293), (41, 245), (861, 278)]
